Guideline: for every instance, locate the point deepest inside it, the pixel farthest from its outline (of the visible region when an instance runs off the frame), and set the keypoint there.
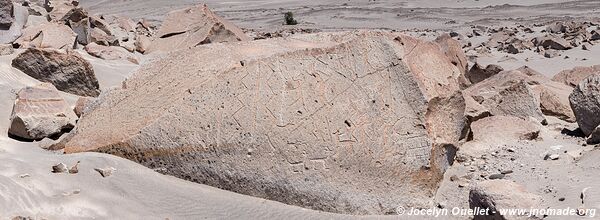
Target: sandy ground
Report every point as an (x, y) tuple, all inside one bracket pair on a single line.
[(28, 188)]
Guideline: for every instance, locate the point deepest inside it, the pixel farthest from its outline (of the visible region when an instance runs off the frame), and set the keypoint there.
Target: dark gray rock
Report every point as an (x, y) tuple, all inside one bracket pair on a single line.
[(68, 71), (585, 102)]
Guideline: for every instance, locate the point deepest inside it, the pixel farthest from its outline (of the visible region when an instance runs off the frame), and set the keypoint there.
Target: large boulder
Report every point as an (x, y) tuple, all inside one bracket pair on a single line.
[(573, 76), (40, 112), (47, 35), (307, 120), (6, 14), (585, 102), (68, 71), (194, 26), (19, 19), (497, 195)]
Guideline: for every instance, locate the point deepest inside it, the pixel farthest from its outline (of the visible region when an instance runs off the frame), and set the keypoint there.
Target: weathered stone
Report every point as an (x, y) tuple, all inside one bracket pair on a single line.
[(556, 28), (517, 99), (553, 42), (110, 52), (40, 112), (503, 129), (453, 49), (75, 15), (194, 26), (594, 136), (480, 97), (58, 9), (502, 194), (68, 71), (551, 53), (82, 28), (6, 14), (81, 104), (102, 38), (10, 34), (553, 105), (142, 43), (105, 172), (47, 35), (574, 76), (477, 73), (6, 49), (291, 119), (585, 102), (59, 168)]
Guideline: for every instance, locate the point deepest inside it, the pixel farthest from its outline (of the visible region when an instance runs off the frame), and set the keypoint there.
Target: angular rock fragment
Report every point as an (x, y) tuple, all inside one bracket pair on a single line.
[(40, 112), (69, 72), (455, 53), (291, 119), (502, 194), (194, 26)]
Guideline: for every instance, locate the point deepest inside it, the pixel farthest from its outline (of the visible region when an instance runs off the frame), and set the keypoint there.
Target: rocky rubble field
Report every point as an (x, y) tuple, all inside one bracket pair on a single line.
[(189, 115)]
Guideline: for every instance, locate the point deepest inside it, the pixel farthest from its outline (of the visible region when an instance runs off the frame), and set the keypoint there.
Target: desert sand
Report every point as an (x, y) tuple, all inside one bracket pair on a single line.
[(28, 188)]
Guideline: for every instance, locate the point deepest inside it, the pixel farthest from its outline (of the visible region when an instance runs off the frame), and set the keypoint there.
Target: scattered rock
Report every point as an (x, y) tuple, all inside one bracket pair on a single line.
[(105, 172), (69, 72), (60, 168), (40, 112), (585, 102), (501, 194), (194, 26)]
